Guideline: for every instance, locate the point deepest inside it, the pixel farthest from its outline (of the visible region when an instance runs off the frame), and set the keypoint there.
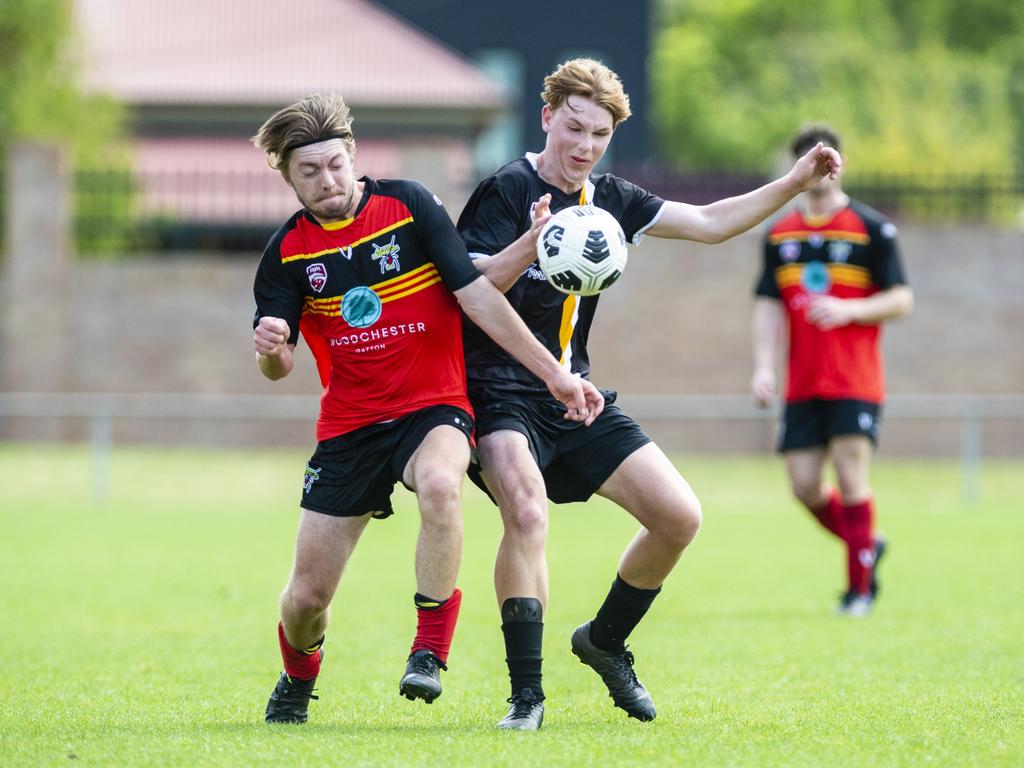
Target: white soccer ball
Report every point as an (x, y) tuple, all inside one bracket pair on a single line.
[(582, 250)]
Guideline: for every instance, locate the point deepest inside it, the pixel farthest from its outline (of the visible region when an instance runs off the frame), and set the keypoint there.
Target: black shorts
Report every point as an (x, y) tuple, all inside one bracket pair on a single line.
[(355, 473), (574, 459), (813, 423)]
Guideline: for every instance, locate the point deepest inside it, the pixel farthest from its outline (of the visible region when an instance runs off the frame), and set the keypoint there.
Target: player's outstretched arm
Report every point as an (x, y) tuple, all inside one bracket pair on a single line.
[(274, 355), (486, 307), (766, 332), (506, 266), (723, 219)]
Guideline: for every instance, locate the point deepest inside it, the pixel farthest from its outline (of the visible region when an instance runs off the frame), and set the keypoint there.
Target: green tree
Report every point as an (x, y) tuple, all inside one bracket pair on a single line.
[(913, 85), (40, 96)]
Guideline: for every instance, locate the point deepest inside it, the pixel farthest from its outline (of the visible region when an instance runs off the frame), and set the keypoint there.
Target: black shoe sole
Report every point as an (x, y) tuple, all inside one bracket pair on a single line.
[(413, 690)]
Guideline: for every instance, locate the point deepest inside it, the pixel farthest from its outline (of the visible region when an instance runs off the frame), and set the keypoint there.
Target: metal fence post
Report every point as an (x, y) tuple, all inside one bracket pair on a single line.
[(100, 441), (970, 455)]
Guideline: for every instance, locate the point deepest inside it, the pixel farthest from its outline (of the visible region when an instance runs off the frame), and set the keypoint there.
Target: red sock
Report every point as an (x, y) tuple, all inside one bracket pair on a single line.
[(435, 624), (858, 524), (830, 514), (301, 665)]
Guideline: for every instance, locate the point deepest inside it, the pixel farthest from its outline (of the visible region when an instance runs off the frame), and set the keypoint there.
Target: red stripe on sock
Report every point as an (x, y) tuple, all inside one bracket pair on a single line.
[(435, 627), (297, 664), (858, 523)]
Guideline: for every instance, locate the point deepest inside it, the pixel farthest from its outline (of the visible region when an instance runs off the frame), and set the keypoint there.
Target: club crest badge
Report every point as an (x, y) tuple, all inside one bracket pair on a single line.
[(317, 274), (839, 251), (388, 255)]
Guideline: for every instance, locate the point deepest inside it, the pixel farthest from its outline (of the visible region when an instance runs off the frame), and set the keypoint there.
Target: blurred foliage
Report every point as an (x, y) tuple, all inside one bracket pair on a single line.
[(42, 99), (911, 85), (40, 95)]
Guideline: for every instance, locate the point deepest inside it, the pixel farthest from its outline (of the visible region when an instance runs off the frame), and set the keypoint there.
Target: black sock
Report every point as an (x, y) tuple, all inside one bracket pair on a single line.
[(523, 627), (619, 615)]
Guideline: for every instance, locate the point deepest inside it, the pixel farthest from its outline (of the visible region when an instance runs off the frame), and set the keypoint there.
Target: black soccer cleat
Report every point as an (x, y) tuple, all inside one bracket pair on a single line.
[(616, 669), (290, 700), (881, 544), (525, 714), (422, 678), (855, 605)]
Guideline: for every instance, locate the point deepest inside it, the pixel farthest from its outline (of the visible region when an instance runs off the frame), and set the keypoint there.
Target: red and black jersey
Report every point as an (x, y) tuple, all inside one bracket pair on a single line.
[(372, 296), (498, 212), (849, 255)]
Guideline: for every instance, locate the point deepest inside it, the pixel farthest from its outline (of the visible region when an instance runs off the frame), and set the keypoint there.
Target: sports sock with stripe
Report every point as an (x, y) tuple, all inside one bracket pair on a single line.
[(301, 665), (435, 624)]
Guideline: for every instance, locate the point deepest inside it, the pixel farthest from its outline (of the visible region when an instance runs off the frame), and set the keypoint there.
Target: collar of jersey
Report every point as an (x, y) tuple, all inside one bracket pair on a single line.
[(531, 158)]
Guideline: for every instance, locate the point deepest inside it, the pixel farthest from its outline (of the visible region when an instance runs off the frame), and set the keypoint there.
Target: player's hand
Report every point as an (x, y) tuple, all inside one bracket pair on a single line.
[(828, 312), (271, 336), (582, 400), (818, 163), (763, 387), (541, 214)]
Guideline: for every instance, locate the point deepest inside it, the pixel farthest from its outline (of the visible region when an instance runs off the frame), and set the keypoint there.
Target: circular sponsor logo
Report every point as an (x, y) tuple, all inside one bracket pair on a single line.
[(361, 307), (815, 277)]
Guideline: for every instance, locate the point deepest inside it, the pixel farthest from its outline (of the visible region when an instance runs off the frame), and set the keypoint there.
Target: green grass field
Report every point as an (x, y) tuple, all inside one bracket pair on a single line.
[(142, 631)]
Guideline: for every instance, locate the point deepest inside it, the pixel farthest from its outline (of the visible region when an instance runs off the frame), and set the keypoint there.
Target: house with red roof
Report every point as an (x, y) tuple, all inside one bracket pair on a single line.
[(200, 76)]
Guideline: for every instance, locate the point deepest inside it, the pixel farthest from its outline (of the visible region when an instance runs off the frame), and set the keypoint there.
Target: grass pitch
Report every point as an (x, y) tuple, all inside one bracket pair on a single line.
[(141, 632)]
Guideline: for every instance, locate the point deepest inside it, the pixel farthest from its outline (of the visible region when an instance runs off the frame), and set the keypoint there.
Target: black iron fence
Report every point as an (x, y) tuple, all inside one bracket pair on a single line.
[(992, 199), (118, 213)]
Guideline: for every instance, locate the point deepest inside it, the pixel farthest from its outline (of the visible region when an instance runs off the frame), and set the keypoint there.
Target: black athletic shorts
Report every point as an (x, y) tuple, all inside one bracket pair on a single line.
[(355, 473), (574, 459), (813, 423)]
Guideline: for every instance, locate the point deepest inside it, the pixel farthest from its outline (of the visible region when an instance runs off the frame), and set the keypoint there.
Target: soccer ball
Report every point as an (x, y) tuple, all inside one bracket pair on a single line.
[(582, 250)]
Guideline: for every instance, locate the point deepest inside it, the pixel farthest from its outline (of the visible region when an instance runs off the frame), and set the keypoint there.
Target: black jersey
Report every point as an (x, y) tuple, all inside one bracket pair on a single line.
[(499, 212)]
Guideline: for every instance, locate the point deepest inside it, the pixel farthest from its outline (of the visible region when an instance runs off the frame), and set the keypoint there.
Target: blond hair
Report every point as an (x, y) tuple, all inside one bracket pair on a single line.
[(318, 117), (591, 79)]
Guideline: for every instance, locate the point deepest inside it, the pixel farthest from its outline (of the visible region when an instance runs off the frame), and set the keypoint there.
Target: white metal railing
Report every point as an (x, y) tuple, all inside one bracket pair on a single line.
[(100, 409)]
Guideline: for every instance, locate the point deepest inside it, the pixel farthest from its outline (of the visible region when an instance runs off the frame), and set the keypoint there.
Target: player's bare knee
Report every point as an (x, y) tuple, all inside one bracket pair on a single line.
[(687, 521), (305, 600), (528, 520), (440, 490), (806, 491)]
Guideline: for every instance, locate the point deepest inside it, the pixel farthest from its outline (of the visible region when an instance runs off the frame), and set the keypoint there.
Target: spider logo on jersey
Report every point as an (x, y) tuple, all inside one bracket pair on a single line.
[(388, 255)]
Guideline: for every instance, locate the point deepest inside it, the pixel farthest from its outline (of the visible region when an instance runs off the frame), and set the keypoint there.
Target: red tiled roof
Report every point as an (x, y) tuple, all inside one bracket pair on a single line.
[(257, 52)]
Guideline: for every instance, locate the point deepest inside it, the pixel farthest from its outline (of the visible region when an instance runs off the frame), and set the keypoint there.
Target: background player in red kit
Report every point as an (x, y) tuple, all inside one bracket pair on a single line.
[(833, 275), (373, 274), (526, 455)]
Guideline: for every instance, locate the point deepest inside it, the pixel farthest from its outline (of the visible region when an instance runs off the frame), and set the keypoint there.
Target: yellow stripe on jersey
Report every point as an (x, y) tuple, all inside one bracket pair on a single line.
[(415, 289), (318, 254), (845, 274), (851, 275), (565, 332), (858, 238), (397, 288), (402, 281), (788, 274)]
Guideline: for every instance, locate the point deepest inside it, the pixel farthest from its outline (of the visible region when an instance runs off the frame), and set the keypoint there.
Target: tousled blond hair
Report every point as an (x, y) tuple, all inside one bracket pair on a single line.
[(317, 117), (591, 79)]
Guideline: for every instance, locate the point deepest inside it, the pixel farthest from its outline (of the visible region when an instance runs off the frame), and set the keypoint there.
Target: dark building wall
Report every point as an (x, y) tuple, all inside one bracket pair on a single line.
[(545, 34)]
